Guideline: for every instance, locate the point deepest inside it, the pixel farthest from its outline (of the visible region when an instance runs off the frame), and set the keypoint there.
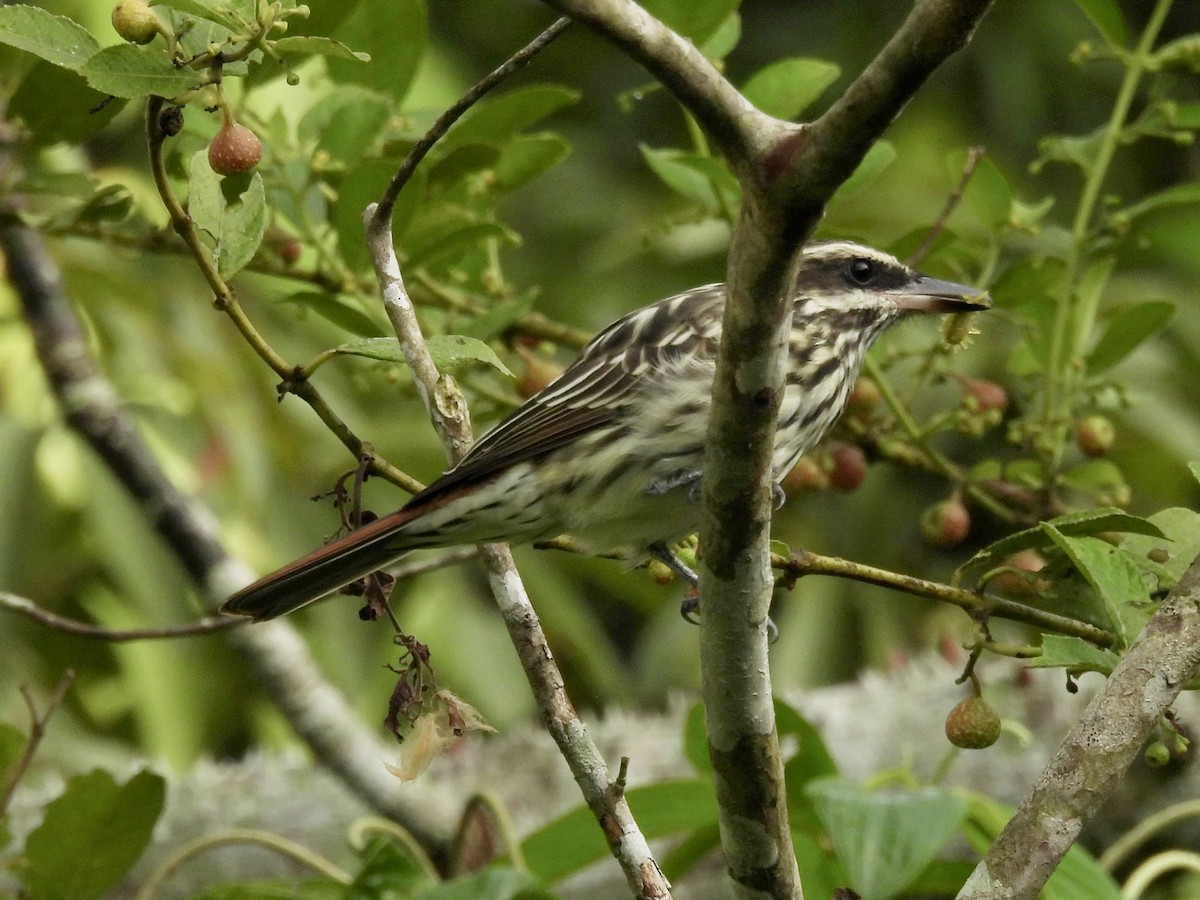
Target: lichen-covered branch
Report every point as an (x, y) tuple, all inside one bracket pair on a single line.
[(1096, 754)]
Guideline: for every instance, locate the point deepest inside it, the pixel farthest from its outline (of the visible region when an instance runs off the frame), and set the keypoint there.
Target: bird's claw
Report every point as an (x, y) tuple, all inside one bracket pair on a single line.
[(672, 481)]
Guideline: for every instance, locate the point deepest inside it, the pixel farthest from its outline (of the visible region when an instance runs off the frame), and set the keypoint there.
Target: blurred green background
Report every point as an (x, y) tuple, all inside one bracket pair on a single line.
[(600, 235)]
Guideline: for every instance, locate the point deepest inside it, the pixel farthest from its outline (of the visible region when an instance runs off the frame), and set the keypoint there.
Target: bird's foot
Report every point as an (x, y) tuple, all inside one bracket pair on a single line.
[(674, 480)]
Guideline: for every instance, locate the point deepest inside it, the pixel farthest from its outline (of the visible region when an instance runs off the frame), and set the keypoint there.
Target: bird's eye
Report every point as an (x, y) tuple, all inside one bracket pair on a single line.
[(861, 271)]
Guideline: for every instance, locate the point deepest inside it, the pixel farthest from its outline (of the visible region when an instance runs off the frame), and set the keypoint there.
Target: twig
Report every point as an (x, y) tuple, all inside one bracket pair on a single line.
[(275, 653), (805, 563), (448, 413), (26, 607), (974, 155), (37, 731)]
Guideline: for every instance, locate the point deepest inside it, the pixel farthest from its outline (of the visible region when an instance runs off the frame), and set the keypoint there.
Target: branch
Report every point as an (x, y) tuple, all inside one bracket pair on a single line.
[(276, 655), (788, 173), (1096, 753), (30, 610), (448, 413)]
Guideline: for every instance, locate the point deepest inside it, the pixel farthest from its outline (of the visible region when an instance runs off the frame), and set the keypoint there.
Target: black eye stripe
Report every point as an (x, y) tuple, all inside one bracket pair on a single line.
[(861, 271)]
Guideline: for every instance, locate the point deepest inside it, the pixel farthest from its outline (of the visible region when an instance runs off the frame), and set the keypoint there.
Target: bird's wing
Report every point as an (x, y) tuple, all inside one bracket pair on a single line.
[(595, 390)]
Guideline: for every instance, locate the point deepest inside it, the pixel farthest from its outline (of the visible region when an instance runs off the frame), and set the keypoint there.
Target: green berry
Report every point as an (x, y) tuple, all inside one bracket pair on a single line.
[(134, 21), (1095, 435), (973, 724)]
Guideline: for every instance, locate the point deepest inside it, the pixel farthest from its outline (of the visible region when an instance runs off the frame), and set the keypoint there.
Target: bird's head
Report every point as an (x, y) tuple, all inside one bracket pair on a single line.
[(845, 277)]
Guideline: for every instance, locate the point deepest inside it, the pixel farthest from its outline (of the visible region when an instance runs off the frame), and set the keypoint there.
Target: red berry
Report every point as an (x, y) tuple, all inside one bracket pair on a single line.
[(1095, 435), (848, 466), (1013, 585), (946, 523), (985, 396), (973, 724), (806, 475), (289, 252), (234, 150), (865, 396)]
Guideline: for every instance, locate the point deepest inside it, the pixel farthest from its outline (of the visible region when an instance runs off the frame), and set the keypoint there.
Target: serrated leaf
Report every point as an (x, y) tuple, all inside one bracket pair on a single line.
[(131, 72), (449, 351), (1109, 571), (1090, 521), (232, 210), (1106, 16), (786, 88), (885, 839), (315, 45), (56, 39), (881, 155), (99, 827), (1180, 543), (77, 113), (1126, 331), (1063, 651), (509, 114)]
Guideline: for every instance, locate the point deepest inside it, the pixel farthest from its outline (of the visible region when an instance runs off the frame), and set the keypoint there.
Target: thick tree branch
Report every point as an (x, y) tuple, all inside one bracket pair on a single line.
[(276, 655), (788, 173), (1096, 754)]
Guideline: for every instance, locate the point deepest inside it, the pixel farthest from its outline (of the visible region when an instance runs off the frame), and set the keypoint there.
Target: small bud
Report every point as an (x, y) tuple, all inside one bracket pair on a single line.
[(234, 150), (1095, 435), (1157, 755), (973, 724), (946, 524), (660, 572)]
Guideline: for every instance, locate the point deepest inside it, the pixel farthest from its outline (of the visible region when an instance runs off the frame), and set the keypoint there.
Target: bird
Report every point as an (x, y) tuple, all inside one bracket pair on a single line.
[(611, 452)]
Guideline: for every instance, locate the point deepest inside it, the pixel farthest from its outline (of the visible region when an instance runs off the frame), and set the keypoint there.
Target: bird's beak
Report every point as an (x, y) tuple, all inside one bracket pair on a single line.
[(932, 295)]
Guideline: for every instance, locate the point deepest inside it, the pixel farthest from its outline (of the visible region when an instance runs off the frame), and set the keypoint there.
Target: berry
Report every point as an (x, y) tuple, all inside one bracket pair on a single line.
[(806, 475), (985, 396), (1157, 755), (234, 150), (1013, 585), (946, 524), (865, 396), (135, 22), (848, 466), (973, 724), (1095, 435)]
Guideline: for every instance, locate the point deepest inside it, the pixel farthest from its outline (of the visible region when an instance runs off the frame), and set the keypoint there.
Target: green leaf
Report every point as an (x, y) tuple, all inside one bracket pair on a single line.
[(56, 39), (353, 128), (449, 351), (1079, 150), (881, 155), (393, 33), (1180, 543), (812, 760), (1091, 521), (1126, 331), (694, 19), (1061, 651), (1176, 195), (499, 120), (77, 113), (131, 72), (12, 748), (987, 194), (695, 740), (91, 835), (220, 12), (337, 309), (447, 245), (497, 319), (701, 179), (573, 841), (310, 45), (527, 157), (490, 884), (1109, 570), (786, 88), (885, 839), (233, 210), (1106, 16), (388, 871), (721, 42), (362, 186)]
